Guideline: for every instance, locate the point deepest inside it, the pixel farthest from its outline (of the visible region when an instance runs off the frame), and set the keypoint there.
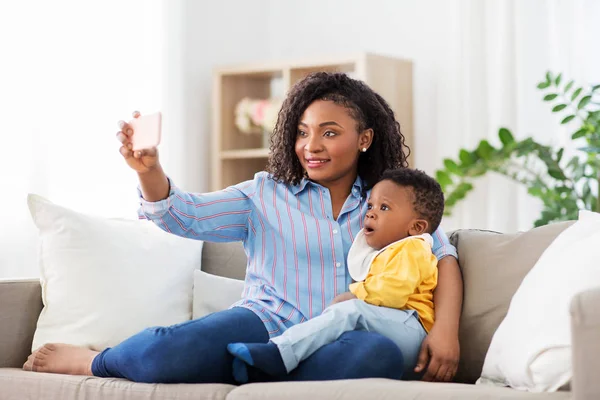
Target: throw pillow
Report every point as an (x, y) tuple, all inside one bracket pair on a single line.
[(493, 266), (531, 349), (104, 280), (214, 293)]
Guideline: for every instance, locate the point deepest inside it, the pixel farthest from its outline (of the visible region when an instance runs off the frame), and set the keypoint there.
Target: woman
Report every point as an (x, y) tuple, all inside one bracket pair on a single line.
[(333, 139)]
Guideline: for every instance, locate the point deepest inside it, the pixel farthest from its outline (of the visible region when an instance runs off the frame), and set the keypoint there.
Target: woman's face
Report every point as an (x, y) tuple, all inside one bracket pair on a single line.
[(328, 143)]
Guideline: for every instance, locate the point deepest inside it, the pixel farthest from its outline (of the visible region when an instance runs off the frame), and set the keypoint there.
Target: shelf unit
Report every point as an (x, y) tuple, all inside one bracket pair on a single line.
[(237, 157)]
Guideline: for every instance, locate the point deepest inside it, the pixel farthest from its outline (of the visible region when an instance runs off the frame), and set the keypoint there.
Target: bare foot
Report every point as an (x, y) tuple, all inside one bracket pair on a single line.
[(61, 359)]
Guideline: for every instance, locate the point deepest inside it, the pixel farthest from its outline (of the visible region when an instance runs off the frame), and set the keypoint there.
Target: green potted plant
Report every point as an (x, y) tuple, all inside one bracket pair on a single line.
[(564, 186)]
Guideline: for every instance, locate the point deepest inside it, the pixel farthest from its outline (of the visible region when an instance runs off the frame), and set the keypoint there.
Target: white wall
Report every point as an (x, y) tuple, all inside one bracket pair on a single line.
[(202, 35)]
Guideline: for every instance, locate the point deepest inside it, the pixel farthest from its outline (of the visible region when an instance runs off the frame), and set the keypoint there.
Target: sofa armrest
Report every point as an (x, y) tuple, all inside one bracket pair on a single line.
[(585, 330), (20, 307)]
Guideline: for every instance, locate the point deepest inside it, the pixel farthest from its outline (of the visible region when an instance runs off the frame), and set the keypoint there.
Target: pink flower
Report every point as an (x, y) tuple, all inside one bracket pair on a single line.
[(256, 115)]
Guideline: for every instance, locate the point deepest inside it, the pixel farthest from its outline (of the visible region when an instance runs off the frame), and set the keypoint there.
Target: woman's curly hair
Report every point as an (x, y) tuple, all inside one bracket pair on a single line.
[(369, 109)]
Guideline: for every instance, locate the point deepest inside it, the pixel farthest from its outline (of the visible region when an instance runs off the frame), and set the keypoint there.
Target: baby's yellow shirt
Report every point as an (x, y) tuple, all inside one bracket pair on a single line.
[(402, 276)]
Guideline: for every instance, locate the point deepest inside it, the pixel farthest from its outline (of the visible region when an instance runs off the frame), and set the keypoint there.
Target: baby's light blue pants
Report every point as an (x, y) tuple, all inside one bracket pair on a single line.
[(401, 326)]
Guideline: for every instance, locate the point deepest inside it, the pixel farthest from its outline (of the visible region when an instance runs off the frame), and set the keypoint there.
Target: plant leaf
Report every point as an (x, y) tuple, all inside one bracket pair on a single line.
[(587, 190), (549, 215), (543, 85), (466, 158), (559, 155), (574, 162), (506, 137), (578, 172), (452, 167), (595, 87), (568, 86), (590, 149), (443, 178), (556, 174), (576, 93), (558, 79), (463, 188), (583, 102), (559, 107), (549, 77), (550, 96), (539, 222), (580, 133), (567, 119), (484, 150), (535, 191)]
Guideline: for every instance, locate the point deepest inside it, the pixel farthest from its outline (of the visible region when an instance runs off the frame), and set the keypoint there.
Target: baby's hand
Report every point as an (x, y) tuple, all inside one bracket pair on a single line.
[(343, 297), (140, 161)]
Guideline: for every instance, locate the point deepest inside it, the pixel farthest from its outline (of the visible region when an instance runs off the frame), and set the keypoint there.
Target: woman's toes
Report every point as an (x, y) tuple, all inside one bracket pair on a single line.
[(47, 349), (61, 359), (28, 366)]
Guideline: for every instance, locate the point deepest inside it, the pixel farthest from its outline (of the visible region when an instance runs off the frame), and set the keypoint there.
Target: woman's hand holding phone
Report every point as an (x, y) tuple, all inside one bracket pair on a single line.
[(142, 156), (139, 159)]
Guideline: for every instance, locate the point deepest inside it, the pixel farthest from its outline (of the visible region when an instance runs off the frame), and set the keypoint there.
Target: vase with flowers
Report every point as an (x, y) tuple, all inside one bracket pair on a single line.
[(257, 117)]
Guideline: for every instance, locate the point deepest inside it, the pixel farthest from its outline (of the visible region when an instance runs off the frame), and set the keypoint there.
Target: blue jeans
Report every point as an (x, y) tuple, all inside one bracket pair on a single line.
[(401, 326), (196, 352)]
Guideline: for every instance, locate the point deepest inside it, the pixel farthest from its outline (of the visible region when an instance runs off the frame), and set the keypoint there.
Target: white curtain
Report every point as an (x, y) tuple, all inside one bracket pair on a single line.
[(502, 48), (70, 70)]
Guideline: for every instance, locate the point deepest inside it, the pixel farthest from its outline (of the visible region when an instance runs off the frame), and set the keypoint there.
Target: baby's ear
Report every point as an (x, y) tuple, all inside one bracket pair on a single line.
[(418, 227)]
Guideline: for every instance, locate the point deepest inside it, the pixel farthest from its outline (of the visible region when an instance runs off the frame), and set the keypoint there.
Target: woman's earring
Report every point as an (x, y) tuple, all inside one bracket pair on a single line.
[(364, 149)]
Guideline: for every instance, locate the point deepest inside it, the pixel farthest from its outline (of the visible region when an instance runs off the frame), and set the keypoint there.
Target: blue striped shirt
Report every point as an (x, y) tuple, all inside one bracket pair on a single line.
[(296, 250)]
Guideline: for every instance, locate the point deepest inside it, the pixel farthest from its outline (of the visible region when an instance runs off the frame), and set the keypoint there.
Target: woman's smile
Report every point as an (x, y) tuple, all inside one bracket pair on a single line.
[(313, 162)]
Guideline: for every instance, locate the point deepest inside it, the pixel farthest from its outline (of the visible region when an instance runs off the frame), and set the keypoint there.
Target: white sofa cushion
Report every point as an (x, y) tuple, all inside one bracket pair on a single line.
[(531, 349), (214, 293), (104, 280)]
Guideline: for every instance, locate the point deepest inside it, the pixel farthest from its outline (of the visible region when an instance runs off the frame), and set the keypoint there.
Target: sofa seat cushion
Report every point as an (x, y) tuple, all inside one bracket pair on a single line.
[(383, 389), (16, 384)]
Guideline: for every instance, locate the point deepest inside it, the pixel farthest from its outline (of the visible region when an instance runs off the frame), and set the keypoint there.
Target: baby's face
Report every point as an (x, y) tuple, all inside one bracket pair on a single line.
[(390, 214)]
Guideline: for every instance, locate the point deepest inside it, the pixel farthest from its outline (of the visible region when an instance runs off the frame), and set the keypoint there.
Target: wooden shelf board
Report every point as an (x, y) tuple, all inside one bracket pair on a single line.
[(246, 153), (268, 68)]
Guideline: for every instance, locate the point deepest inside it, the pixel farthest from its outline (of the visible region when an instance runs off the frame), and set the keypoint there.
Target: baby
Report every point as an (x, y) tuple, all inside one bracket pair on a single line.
[(394, 271)]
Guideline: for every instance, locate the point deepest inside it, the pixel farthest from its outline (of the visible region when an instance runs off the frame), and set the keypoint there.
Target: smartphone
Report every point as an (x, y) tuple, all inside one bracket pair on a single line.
[(146, 131)]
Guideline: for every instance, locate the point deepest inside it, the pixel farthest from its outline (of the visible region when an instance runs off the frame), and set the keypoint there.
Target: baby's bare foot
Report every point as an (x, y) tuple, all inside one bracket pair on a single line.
[(61, 359)]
